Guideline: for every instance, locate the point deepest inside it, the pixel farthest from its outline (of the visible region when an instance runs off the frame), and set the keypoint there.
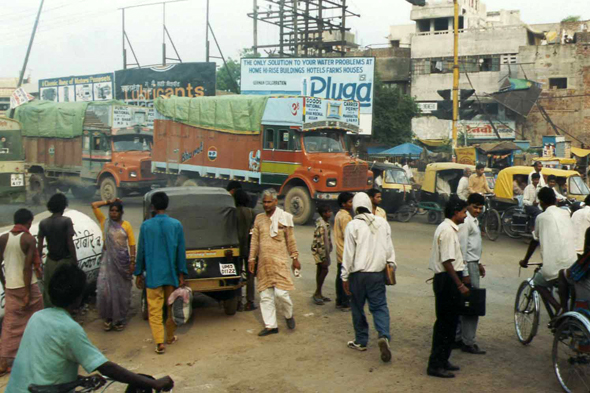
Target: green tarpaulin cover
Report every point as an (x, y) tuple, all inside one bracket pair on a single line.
[(235, 113), (50, 119)]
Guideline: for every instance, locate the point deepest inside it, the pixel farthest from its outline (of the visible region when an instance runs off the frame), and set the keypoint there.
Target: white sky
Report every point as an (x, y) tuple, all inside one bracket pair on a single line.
[(78, 37)]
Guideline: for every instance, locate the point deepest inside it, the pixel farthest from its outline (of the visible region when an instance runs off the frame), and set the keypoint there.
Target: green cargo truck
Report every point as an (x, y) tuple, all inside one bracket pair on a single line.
[(12, 162)]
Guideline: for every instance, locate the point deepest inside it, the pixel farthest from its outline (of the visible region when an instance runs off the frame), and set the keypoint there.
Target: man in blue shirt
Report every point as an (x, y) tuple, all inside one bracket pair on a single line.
[(54, 345), (162, 256)]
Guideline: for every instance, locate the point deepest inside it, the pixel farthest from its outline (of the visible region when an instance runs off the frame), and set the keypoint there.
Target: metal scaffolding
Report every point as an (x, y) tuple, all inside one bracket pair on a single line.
[(306, 27)]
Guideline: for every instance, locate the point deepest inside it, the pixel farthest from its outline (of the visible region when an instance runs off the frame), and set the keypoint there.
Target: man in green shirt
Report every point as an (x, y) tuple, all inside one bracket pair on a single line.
[(54, 345)]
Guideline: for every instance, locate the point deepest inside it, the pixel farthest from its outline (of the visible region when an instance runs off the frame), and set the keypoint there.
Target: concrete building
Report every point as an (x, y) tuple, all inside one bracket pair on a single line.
[(494, 46), (7, 87)]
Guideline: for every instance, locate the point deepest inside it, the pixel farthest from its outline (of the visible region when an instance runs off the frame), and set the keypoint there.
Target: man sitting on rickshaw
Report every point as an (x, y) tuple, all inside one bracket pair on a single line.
[(576, 278), (554, 231), (552, 183), (530, 198)]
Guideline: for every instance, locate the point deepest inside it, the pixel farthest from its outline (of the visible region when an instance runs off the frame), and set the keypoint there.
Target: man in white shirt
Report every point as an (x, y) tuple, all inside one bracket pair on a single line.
[(552, 184), (406, 167), (470, 240), (443, 187), (537, 168), (446, 261), (581, 221), (375, 196), (367, 250), (463, 187), (530, 199), (554, 231)]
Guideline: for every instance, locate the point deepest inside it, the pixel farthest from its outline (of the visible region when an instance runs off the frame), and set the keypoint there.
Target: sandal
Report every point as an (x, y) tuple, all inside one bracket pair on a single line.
[(108, 326), (174, 339), (119, 327), (160, 350), (318, 300), (326, 299), (250, 306)]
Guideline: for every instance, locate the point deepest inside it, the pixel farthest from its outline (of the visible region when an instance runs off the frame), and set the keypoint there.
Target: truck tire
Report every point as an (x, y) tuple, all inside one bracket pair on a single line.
[(298, 202), (83, 192), (108, 189)]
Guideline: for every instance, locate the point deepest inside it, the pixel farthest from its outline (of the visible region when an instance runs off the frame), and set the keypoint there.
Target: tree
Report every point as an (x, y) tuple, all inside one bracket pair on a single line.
[(228, 77), (392, 115), (572, 18)]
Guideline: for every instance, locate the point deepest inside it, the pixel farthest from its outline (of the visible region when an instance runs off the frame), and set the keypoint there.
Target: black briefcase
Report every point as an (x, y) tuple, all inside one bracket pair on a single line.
[(475, 304)]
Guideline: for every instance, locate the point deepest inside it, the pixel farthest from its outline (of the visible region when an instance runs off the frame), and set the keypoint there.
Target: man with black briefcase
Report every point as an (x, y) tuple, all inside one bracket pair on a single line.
[(471, 248)]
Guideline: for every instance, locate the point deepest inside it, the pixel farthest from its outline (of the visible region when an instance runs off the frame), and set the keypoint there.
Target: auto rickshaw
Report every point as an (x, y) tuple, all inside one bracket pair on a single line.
[(514, 220), (208, 216), (396, 190)]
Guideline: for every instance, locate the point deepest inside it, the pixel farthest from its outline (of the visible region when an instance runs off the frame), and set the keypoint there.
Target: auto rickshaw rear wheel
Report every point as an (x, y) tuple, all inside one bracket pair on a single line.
[(230, 306), (404, 214), (434, 217)]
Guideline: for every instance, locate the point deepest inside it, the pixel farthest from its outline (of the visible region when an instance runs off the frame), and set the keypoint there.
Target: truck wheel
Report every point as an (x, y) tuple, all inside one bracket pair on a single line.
[(230, 306), (108, 189), (300, 205), (83, 192)]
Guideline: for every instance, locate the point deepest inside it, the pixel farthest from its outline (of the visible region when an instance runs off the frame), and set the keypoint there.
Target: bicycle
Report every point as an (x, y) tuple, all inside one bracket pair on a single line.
[(570, 353), (490, 220), (91, 383)]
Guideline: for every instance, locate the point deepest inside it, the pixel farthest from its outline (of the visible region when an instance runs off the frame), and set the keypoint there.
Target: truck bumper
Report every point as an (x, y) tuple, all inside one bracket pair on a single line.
[(330, 196), (138, 185)]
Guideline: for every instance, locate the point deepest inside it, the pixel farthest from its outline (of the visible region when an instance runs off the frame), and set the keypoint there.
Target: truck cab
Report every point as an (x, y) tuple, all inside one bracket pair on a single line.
[(12, 162), (310, 166)]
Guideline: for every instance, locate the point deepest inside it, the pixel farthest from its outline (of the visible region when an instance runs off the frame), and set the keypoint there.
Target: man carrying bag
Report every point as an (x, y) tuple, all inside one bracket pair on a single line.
[(368, 249)]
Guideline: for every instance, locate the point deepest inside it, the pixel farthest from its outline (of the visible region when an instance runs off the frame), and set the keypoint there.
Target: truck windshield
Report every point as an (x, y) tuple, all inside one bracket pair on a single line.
[(323, 142), (132, 143)]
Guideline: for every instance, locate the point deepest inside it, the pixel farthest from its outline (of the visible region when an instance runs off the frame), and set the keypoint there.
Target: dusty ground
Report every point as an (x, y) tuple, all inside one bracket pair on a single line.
[(219, 353)]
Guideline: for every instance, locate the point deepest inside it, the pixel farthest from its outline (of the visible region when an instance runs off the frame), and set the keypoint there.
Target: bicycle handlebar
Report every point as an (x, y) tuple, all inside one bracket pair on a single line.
[(93, 382)]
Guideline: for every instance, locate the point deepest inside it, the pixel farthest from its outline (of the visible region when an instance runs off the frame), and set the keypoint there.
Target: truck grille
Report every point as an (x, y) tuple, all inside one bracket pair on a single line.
[(355, 176), (146, 169)]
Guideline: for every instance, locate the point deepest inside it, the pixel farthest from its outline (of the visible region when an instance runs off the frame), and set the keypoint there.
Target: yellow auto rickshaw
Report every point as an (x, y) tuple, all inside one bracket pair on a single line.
[(441, 181), (511, 183), (396, 190)]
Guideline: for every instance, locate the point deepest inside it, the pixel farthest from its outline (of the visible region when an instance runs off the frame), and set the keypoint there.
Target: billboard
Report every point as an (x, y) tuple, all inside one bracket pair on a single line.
[(98, 87), (140, 86), (348, 78)]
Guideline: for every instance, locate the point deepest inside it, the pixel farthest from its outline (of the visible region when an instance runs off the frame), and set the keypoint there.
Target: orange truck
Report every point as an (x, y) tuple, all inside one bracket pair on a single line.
[(82, 147), (295, 145)]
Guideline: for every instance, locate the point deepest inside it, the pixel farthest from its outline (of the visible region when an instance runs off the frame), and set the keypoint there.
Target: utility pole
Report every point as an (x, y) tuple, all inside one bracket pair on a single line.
[(207, 35), (22, 71), (455, 76)]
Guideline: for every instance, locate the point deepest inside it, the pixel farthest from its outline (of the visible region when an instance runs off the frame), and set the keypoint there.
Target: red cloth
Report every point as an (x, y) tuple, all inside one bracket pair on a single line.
[(38, 267)]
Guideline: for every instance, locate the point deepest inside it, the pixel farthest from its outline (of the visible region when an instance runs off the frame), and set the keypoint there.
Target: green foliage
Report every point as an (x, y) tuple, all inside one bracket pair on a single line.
[(572, 18), (392, 115), (228, 78)]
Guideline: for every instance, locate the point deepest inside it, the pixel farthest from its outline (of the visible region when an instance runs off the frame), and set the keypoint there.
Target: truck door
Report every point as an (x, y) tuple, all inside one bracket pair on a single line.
[(281, 154), (99, 153)]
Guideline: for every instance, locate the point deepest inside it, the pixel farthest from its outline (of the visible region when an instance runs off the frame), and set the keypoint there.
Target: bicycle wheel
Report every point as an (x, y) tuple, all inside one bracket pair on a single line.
[(571, 356), (507, 223), (493, 224), (404, 214), (526, 313)]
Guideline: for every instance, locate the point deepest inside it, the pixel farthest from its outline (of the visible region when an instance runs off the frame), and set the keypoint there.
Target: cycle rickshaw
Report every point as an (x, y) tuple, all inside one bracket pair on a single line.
[(571, 335)]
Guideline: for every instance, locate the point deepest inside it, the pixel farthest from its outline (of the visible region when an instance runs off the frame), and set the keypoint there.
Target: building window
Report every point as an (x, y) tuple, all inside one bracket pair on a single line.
[(441, 24), (557, 83), (423, 25)]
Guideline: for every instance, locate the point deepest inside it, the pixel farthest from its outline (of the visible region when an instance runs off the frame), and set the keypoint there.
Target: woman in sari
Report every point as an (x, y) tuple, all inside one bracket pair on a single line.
[(113, 289)]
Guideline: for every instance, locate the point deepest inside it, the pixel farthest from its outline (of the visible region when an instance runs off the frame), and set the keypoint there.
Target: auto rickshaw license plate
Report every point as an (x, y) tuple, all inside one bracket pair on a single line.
[(227, 269), (17, 180)]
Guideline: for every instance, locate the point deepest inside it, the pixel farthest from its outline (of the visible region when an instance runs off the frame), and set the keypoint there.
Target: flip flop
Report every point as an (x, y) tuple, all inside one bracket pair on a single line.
[(318, 300), (108, 326), (174, 339), (160, 351), (119, 327), (326, 299)]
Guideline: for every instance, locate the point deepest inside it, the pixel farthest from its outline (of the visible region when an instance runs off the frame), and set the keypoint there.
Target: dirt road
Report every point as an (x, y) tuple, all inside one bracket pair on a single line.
[(218, 353)]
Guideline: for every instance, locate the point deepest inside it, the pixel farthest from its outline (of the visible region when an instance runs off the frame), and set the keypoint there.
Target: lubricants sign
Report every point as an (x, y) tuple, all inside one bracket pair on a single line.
[(140, 86), (347, 78)]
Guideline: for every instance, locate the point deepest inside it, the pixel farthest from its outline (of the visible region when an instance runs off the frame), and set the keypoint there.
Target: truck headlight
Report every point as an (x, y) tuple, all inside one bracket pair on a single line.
[(132, 174), (331, 182)]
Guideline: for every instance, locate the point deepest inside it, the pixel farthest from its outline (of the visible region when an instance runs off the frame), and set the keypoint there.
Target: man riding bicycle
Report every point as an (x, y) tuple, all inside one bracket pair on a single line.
[(554, 231), (54, 345)]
